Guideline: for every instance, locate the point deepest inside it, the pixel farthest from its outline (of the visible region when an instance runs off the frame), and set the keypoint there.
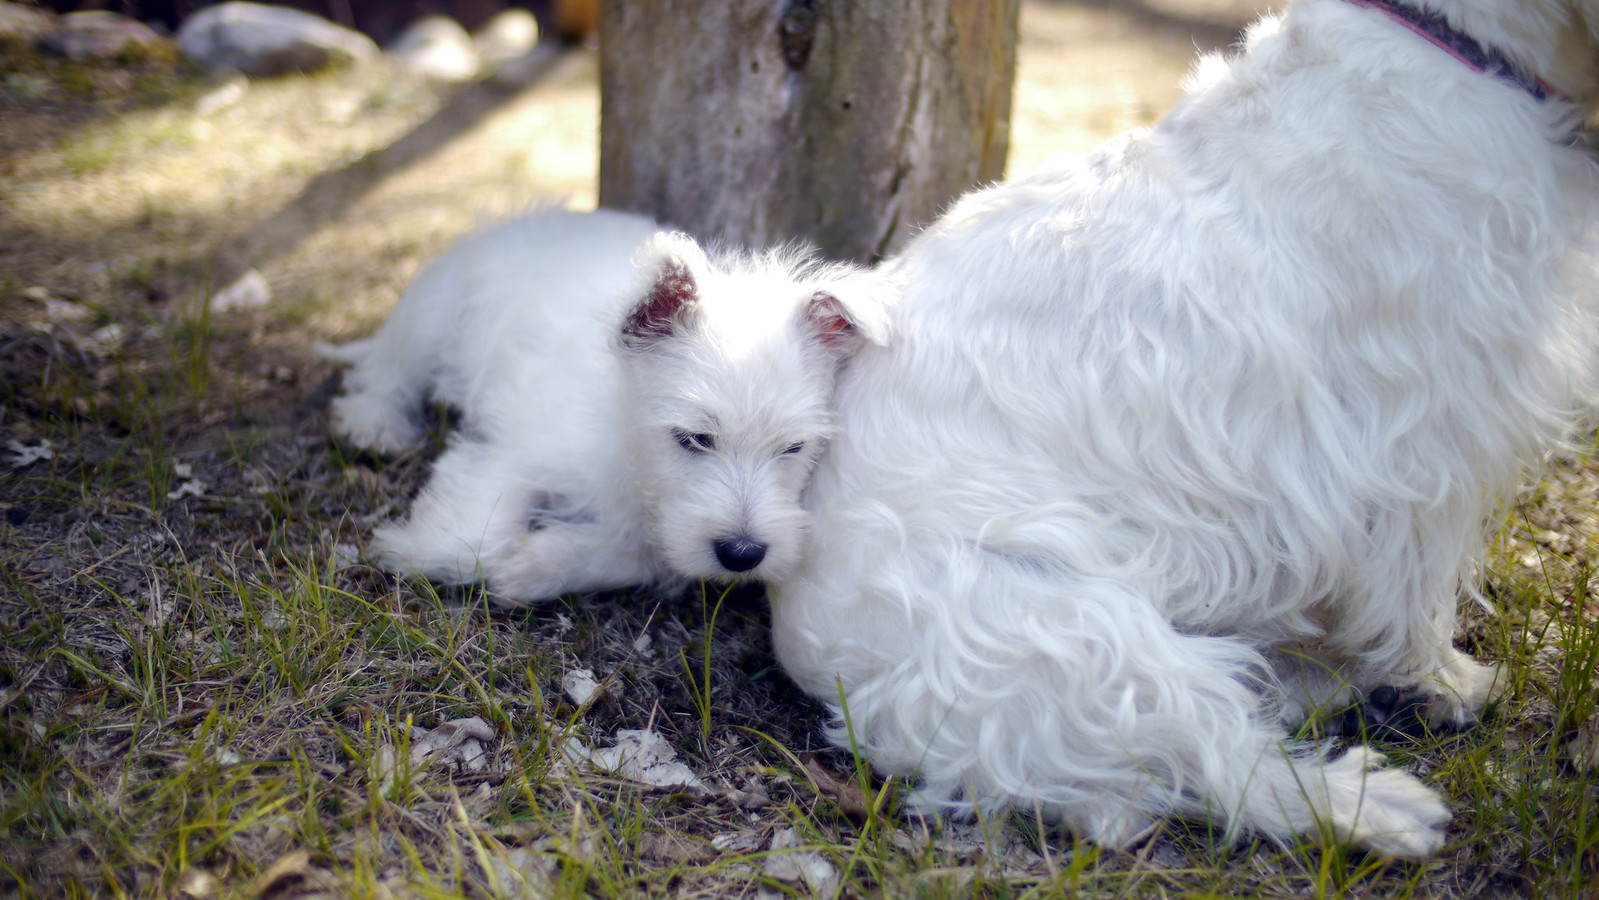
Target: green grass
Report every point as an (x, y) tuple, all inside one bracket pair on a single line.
[(700, 683), (214, 694), (123, 140)]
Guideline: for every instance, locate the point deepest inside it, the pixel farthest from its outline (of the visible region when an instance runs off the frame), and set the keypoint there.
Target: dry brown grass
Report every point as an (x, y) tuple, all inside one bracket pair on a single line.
[(197, 687)]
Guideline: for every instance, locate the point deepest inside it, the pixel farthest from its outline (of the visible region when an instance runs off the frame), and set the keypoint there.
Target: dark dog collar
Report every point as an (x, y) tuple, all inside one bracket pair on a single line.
[(1436, 30)]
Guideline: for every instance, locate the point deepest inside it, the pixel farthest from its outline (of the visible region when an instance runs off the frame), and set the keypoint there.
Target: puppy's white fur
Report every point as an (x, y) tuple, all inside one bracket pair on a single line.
[(633, 410), (1237, 390)]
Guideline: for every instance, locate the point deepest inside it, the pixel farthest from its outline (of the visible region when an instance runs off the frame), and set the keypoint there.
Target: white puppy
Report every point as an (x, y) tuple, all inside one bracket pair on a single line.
[(632, 409), (1235, 391)]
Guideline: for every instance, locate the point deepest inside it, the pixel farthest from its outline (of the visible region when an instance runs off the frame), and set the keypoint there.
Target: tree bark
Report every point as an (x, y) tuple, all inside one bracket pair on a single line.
[(847, 123)]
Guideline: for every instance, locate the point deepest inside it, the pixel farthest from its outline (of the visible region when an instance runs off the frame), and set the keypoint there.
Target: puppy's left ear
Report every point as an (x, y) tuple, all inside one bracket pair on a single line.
[(671, 261), (848, 311)]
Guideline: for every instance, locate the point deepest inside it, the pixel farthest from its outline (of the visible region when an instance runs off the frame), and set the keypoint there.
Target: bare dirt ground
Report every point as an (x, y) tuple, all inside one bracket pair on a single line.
[(203, 690)]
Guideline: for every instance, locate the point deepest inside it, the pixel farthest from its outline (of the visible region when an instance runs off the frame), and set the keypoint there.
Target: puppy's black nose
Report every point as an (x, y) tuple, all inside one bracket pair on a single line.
[(739, 554)]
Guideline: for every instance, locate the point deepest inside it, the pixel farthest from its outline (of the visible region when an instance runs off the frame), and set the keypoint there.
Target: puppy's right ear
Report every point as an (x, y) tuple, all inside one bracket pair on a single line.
[(672, 294)]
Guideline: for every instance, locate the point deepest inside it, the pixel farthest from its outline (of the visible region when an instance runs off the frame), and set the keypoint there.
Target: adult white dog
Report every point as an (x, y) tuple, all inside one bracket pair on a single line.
[(1235, 392)]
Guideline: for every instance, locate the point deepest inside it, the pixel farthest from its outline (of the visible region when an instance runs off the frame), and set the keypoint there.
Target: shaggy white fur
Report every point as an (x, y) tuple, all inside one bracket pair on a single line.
[(592, 355), (1237, 390)]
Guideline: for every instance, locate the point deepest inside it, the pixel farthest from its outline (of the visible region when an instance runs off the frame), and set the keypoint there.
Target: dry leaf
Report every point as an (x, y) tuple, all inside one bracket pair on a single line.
[(672, 849), (794, 866), (743, 841), (580, 686), (647, 758), (1584, 747), (192, 487), (249, 292), (459, 742), (28, 454), (847, 794), (752, 796), (523, 872), (196, 884), (292, 877)]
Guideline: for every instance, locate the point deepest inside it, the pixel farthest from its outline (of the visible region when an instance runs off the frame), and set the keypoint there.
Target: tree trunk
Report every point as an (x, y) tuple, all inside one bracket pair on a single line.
[(847, 123)]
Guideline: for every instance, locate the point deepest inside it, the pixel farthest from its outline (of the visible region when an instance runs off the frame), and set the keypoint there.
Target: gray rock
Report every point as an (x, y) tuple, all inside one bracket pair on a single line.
[(436, 47), (263, 40), (510, 34), (250, 291), (98, 34), (23, 23)]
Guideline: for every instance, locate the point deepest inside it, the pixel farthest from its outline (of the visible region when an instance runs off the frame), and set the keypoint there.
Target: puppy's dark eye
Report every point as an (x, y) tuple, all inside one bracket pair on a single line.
[(695, 442), (795, 447)]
